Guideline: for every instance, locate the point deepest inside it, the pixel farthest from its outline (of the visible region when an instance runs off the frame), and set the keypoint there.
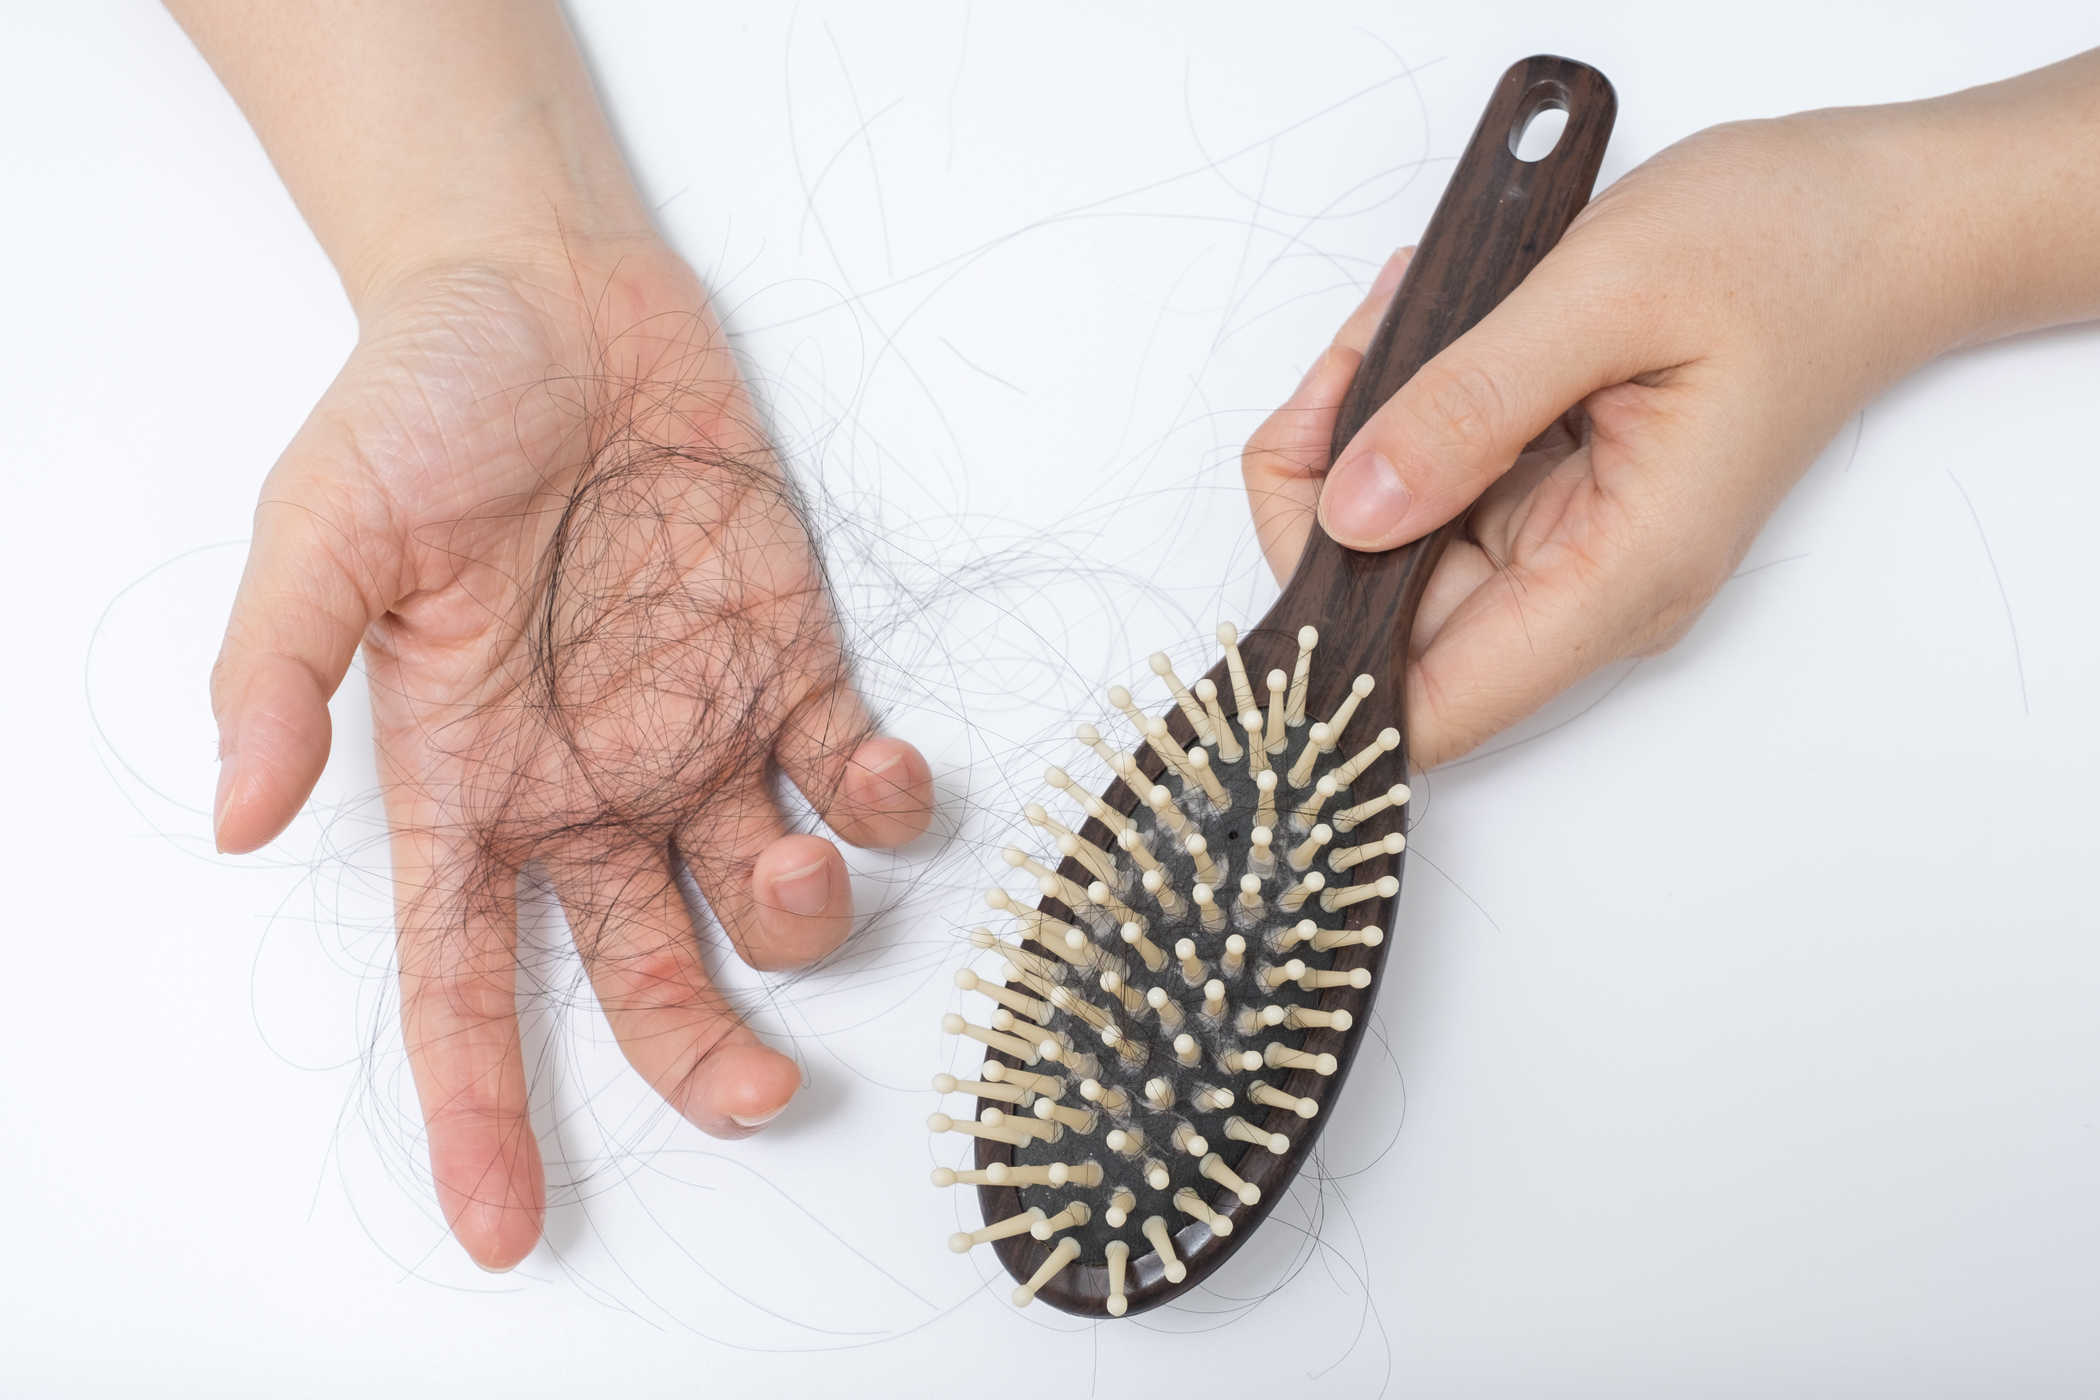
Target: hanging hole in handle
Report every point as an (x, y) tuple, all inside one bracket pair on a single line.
[(1539, 123)]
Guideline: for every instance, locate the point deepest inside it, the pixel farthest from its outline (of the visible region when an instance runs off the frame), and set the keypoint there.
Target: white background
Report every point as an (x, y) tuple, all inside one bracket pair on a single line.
[(1744, 1028)]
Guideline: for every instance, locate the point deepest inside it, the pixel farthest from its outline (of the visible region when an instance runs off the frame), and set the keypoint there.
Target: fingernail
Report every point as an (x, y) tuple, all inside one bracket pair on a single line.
[(756, 1120), (806, 891), (1364, 500)]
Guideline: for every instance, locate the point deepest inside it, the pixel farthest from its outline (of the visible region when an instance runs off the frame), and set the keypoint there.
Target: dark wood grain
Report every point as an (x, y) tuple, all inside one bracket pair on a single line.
[(1498, 216)]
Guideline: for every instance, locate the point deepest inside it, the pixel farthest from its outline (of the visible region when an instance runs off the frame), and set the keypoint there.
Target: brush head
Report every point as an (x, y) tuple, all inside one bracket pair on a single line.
[(1156, 885), (1187, 991)]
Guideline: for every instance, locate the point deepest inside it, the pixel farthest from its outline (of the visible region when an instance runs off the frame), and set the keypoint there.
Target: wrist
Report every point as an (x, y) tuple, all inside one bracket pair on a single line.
[(415, 135), (1898, 282), (498, 206), (1992, 194)]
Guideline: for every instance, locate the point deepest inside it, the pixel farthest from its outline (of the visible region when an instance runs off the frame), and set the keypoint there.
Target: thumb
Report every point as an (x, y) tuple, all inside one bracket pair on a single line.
[(305, 598), (1459, 423)]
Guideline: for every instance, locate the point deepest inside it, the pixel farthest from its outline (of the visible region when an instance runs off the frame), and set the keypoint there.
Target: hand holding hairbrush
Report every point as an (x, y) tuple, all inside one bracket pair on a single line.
[(1193, 980)]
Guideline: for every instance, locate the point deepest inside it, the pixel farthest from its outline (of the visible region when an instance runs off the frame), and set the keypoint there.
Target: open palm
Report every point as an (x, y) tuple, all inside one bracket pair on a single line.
[(594, 626)]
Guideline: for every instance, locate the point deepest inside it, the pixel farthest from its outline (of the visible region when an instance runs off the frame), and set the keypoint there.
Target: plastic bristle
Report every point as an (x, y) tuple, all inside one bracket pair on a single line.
[(1384, 888), (1155, 1230), (1301, 676), (1120, 698), (1008, 1044), (997, 1230), (1019, 959), (1257, 747), (1207, 870), (1171, 904), (1067, 1250), (1385, 743), (1199, 723), (1281, 1056), (1081, 1120), (1261, 852), (1099, 863), (1242, 693), (1293, 899), (1276, 1098), (1350, 817), (1117, 1256), (1240, 1130), (1093, 806), (1075, 1214), (993, 1128), (1358, 689), (1100, 896), (982, 1088), (1391, 844), (1215, 1169), (1051, 1085), (1306, 815), (1014, 1001), (1316, 746), (1220, 727), (1151, 954), (1190, 1204), (1199, 765), (1307, 851), (1120, 763), (1168, 815), (1300, 1018)]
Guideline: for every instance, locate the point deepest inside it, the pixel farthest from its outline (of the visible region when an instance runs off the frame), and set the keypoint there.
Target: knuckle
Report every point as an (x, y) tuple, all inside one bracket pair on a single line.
[(1664, 627), (653, 977), (459, 1039), (1428, 710), (1647, 580), (1288, 443), (1455, 404), (1261, 445), (1678, 583), (224, 677)]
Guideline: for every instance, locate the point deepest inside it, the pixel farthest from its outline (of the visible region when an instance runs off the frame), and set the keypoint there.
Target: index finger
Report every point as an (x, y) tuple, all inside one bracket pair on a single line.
[(1286, 457)]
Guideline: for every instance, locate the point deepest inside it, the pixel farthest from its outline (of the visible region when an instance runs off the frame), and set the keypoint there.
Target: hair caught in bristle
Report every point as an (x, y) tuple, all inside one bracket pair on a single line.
[(1151, 1014)]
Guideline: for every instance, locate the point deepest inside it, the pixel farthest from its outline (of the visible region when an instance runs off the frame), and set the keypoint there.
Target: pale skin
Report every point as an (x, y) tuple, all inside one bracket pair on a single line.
[(458, 170), (455, 164), (1618, 430)]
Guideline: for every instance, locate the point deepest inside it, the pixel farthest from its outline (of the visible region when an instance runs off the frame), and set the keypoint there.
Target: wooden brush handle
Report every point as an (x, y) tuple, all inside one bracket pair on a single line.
[(1499, 215), (1497, 218)]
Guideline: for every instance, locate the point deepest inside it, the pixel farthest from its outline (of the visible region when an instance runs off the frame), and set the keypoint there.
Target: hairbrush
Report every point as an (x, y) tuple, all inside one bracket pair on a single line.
[(1191, 985)]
